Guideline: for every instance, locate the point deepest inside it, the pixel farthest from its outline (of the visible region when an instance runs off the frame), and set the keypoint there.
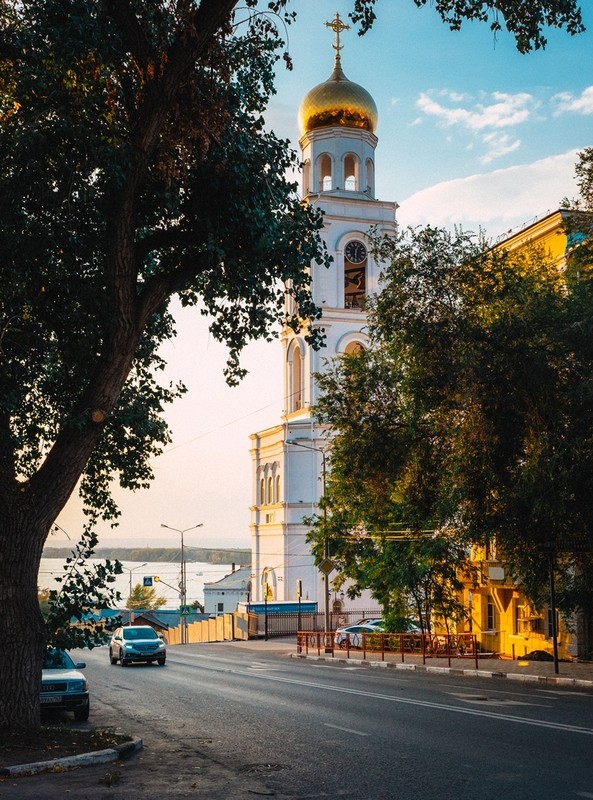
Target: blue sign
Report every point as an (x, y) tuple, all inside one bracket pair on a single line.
[(147, 580)]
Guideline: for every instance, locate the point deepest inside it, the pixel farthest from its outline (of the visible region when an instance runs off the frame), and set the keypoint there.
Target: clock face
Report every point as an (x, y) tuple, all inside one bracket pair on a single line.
[(355, 252)]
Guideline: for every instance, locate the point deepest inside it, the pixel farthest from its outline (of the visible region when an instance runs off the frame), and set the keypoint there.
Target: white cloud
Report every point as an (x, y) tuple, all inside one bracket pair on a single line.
[(505, 111), (494, 201), (499, 145), (579, 104)]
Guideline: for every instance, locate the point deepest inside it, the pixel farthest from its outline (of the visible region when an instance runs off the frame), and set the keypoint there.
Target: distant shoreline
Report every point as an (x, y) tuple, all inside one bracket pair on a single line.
[(205, 555)]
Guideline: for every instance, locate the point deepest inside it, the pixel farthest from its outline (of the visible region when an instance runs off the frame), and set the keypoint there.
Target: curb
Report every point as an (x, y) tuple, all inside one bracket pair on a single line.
[(550, 680), (117, 753)]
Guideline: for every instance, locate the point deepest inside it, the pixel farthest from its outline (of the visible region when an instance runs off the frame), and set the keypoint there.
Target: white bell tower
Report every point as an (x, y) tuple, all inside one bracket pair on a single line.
[(338, 119)]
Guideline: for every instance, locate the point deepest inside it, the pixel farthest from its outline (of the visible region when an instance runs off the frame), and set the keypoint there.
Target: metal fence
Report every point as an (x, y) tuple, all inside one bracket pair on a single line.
[(424, 645)]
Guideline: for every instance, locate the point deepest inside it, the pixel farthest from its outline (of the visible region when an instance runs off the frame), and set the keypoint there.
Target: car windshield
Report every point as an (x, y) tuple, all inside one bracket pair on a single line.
[(140, 633), (57, 659)]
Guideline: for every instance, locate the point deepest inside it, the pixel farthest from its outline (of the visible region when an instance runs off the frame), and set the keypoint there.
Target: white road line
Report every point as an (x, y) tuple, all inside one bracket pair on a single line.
[(559, 726), (346, 730)]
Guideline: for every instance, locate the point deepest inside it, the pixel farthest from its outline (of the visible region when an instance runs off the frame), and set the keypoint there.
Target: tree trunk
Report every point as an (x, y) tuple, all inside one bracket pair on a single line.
[(23, 629)]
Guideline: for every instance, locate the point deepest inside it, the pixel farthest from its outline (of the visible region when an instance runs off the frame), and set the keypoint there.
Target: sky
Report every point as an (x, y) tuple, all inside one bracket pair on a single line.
[(471, 134)]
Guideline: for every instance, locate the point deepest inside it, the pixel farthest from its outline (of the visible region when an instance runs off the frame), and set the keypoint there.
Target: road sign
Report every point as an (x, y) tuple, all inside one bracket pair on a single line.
[(327, 566), (147, 580), (184, 610)]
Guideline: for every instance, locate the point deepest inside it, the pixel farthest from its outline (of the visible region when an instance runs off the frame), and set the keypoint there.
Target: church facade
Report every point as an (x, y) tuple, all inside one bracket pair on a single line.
[(338, 120)]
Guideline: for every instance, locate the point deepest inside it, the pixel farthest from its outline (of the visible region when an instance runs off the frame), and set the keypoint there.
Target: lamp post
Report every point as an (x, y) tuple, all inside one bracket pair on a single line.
[(130, 570), (323, 452), (183, 579), (133, 569)]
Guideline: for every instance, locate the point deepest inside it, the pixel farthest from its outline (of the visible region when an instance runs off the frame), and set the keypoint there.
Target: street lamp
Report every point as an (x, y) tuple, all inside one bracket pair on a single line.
[(183, 580), (130, 570), (323, 452)]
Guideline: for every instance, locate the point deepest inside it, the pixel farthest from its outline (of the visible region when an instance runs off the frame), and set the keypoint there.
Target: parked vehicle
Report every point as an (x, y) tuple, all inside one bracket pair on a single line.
[(63, 686), (412, 626), (137, 643), (352, 635)]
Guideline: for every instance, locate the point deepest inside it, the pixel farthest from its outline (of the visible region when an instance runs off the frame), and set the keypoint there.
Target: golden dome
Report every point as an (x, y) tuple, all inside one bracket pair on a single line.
[(338, 102)]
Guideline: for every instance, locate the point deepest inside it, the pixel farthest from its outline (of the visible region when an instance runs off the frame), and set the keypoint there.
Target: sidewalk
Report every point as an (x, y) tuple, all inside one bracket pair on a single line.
[(570, 674)]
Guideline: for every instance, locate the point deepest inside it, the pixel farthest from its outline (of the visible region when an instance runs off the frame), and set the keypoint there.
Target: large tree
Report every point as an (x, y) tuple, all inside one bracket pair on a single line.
[(136, 166), (472, 411)]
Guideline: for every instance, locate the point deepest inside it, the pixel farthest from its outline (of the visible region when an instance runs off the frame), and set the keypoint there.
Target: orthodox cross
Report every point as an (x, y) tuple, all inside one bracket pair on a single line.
[(337, 26)]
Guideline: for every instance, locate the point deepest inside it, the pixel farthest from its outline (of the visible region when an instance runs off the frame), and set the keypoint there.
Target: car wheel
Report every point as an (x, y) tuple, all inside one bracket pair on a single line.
[(112, 658), (161, 662), (343, 643), (124, 663), (82, 714)]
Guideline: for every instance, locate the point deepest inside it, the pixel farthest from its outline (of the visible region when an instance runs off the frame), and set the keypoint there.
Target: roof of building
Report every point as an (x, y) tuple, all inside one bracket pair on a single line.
[(236, 580)]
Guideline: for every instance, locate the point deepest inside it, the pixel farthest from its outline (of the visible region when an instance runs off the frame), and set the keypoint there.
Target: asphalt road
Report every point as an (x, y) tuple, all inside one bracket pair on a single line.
[(231, 723)]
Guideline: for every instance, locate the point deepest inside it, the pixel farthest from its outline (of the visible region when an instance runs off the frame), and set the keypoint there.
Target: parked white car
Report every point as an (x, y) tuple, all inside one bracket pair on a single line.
[(63, 686), (353, 635)]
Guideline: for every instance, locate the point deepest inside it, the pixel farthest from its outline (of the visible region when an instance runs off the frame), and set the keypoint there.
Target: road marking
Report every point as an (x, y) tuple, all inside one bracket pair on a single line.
[(475, 697), (346, 730), (472, 712)]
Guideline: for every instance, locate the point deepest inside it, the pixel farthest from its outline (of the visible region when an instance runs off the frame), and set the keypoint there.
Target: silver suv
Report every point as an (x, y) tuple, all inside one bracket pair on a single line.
[(137, 643)]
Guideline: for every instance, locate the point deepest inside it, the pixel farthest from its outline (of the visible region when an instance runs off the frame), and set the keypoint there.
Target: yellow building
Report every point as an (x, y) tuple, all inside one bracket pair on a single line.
[(503, 620), (499, 613)]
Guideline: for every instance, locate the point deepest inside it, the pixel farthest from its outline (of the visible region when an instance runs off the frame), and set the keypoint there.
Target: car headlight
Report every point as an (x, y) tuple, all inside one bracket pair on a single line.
[(128, 646), (161, 646), (78, 686)]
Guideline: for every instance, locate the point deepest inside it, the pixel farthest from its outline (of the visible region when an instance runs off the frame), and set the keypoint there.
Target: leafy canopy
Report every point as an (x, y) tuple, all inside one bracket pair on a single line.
[(470, 414), (132, 170)]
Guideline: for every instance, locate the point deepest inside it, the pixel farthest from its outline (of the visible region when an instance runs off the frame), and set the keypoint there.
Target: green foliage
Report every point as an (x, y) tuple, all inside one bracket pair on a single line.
[(525, 20), (471, 415), (131, 172), (579, 224), (69, 612), (145, 598)]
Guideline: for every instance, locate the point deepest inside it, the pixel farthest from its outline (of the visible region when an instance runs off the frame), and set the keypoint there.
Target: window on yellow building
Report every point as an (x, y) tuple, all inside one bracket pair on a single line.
[(490, 614)]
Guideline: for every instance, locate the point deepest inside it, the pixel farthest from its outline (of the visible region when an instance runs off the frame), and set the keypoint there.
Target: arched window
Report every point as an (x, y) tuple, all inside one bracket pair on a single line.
[(270, 490), (325, 173), (277, 488), (351, 173), (354, 347), (370, 176), (262, 492), (295, 389)]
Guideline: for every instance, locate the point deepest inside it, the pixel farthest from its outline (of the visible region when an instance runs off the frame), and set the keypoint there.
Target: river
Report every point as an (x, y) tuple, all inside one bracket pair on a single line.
[(198, 574)]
